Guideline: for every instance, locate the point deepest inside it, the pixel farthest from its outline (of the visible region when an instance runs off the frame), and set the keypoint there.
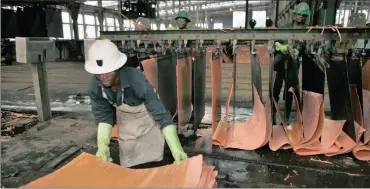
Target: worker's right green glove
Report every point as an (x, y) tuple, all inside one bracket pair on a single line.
[(104, 135), (282, 48), (172, 139)]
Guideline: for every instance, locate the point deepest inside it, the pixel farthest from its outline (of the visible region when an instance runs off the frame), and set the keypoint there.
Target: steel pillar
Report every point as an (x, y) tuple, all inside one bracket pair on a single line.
[(74, 9), (277, 13), (331, 12), (246, 13), (120, 20), (100, 16)]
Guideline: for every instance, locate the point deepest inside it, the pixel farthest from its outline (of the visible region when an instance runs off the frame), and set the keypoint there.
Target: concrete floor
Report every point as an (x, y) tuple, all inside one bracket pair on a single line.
[(48, 146)]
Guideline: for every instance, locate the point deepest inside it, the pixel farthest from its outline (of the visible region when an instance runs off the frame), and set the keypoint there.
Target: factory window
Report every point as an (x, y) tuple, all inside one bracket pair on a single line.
[(110, 21), (65, 17), (154, 26), (111, 28), (89, 19), (67, 31), (238, 19), (90, 32), (260, 17), (80, 19), (162, 27), (128, 25), (81, 32), (116, 21), (217, 26)]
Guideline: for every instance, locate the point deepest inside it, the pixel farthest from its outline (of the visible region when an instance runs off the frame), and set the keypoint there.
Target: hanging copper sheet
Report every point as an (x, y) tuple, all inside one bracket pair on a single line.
[(184, 86), (151, 71), (338, 83), (316, 127), (199, 87), (362, 150), (287, 136), (87, 171), (167, 81), (366, 100), (248, 135), (216, 88)]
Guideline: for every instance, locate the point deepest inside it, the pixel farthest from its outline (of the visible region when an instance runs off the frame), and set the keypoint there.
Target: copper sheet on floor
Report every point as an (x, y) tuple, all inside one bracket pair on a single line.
[(287, 136), (151, 71), (87, 171), (248, 135), (294, 131), (312, 121), (184, 85)]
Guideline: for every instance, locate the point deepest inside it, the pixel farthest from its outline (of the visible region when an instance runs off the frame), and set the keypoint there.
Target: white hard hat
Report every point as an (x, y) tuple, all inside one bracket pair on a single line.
[(104, 57)]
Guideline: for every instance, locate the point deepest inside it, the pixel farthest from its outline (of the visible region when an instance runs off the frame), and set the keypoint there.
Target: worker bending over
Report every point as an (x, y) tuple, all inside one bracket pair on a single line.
[(122, 95), (301, 12)]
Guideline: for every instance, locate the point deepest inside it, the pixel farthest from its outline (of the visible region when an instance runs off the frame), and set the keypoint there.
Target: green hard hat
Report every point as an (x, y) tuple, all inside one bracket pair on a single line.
[(302, 8), (183, 14)]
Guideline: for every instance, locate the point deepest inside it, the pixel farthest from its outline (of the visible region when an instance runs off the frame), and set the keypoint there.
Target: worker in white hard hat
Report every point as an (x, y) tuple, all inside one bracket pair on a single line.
[(123, 96)]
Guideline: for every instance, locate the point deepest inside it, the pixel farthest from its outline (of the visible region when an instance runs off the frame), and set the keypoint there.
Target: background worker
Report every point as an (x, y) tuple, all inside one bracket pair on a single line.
[(183, 20), (122, 95), (282, 54)]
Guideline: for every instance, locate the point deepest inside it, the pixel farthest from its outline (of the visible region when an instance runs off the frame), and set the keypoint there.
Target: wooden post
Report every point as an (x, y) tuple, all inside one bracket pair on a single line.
[(40, 85)]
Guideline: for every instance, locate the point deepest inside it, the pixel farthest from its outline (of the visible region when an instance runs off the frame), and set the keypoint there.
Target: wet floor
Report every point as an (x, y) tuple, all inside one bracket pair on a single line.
[(263, 168), (32, 156)]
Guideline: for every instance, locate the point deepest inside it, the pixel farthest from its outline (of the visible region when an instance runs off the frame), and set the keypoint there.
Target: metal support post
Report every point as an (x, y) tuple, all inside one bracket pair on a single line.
[(100, 16), (277, 13), (246, 14), (75, 9), (40, 85), (37, 51)]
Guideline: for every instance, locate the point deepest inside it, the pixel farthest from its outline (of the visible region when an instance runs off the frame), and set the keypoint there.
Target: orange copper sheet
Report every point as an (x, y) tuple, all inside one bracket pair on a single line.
[(313, 124), (295, 130), (184, 85), (87, 171), (362, 149), (151, 71), (248, 135)]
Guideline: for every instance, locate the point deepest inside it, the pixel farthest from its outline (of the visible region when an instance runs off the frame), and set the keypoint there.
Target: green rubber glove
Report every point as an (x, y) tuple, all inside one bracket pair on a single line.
[(104, 135), (282, 48), (172, 139)]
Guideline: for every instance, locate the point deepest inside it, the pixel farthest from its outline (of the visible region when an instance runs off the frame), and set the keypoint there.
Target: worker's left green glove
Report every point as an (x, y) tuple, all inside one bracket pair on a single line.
[(103, 139), (282, 48), (172, 139)]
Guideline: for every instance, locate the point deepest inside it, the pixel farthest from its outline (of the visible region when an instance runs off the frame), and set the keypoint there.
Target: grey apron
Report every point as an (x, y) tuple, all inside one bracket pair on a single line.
[(140, 139)]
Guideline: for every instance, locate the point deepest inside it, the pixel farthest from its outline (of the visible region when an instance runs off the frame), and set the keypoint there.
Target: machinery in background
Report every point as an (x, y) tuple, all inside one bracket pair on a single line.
[(7, 52)]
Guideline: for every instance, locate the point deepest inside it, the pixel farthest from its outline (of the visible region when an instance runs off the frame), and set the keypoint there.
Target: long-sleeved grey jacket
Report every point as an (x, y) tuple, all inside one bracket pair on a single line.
[(134, 89)]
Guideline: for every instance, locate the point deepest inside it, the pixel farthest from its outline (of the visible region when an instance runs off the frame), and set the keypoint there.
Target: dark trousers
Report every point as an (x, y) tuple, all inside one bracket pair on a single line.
[(288, 75), (167, 159)]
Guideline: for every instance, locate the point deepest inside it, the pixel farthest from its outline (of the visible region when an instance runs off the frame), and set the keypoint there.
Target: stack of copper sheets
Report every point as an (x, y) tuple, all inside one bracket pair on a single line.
[(87, 171)]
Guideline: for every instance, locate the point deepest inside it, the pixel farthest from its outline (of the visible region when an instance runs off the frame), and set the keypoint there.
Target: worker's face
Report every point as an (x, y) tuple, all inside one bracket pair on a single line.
[(107, 79), (181, 23), (300, 18)]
